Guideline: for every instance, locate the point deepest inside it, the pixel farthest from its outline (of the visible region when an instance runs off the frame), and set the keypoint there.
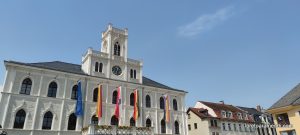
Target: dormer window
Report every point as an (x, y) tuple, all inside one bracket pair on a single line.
[(245, 116), (240, 116), (117, 49), (223, 114), (229, 114)]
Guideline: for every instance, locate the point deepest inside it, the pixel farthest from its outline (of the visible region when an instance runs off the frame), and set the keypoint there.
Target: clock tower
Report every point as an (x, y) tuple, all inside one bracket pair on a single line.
[(112, 62)]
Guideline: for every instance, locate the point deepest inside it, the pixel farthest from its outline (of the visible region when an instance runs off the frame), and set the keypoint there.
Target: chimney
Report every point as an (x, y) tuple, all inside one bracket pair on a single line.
[(222, 102), (258, 108)]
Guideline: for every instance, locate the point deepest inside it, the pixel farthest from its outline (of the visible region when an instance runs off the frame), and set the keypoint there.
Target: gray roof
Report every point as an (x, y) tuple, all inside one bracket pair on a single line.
[(291, 98), (76, 69), (250, 110)]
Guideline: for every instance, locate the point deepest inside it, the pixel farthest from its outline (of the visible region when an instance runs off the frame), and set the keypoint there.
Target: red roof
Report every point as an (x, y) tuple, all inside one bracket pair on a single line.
[(219, 107), (200, 112)]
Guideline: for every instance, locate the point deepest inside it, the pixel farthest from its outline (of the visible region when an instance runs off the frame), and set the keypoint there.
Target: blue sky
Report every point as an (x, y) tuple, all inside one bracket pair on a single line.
[(243, 52)]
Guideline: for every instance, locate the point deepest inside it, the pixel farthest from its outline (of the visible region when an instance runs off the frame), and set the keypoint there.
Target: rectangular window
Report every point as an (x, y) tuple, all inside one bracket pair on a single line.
[(229, 126), (189, 126), (213, 133), (217, 133), (224, 126), (195, 125), (189, 116), (216, 123), (283, 119), (240, 126)]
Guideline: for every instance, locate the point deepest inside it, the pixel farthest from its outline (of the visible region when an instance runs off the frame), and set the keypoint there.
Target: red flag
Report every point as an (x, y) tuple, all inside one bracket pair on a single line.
[(118, 107)]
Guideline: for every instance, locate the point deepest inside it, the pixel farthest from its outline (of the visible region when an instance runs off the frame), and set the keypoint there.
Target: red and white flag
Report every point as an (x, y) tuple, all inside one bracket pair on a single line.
[(118, 107)]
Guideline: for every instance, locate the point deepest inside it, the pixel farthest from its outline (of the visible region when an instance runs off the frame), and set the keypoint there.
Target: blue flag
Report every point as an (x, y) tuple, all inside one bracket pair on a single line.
[(79, 110)]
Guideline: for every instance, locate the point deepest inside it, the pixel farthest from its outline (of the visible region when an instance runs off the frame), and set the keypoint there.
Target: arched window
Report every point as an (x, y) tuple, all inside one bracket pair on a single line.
[(148, 123), (74, 92), (114, 97), (134, 74), (52, 89), (20, 119), (131, 99), (96, 66), (114, 121), (100, 67), (175, 107), (132, 122), (162, 103), (117, 49), (47, 121), (72, 122), (95, 95), (131, 73), (163, 126), (176, 124), (26, 86), (94, 120), (148, 101)]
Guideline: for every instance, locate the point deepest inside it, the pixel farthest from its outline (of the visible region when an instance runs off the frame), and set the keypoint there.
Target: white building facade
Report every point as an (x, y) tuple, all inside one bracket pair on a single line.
[(40, 98)]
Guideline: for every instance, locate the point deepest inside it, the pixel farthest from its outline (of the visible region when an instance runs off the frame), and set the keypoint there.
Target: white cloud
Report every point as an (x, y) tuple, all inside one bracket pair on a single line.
[(205, 22)]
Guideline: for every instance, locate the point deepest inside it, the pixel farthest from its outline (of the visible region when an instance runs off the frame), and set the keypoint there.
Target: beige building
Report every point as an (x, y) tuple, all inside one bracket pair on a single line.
[(286, 113)]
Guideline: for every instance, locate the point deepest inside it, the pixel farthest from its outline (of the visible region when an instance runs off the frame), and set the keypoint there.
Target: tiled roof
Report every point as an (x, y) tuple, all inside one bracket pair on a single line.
[(219, 107), (200, 112), (76, 69), (291, 98)]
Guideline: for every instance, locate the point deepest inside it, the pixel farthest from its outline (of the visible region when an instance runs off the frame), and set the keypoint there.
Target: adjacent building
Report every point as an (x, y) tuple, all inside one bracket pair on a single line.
[(263, 122), (208, 118), (286, 113), (40, 98)]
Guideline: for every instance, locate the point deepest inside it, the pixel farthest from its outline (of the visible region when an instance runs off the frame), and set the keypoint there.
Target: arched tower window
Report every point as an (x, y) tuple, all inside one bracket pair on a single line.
[(134, 74), (72, 122), (117, 49), (52, 89), (131, 73), (100, 67), (47, 121), (94, 120), (114, 97), (20, 119), (132, 122), (26, 86), (131, 99), (162, 103), (176, 124), (163, 126), (95, 95), (96, 66), (74, 92), (148, 101), (114, 121), (148, 123), (175, 107)]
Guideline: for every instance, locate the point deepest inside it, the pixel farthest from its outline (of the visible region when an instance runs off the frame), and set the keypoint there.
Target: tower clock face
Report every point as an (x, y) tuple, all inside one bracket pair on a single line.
[(116, 70)]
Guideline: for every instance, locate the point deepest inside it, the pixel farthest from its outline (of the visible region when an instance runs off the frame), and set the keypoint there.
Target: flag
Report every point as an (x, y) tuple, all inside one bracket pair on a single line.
[(79, 110), (167, 110), (136, 112), (118, 107), (99, 102)]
